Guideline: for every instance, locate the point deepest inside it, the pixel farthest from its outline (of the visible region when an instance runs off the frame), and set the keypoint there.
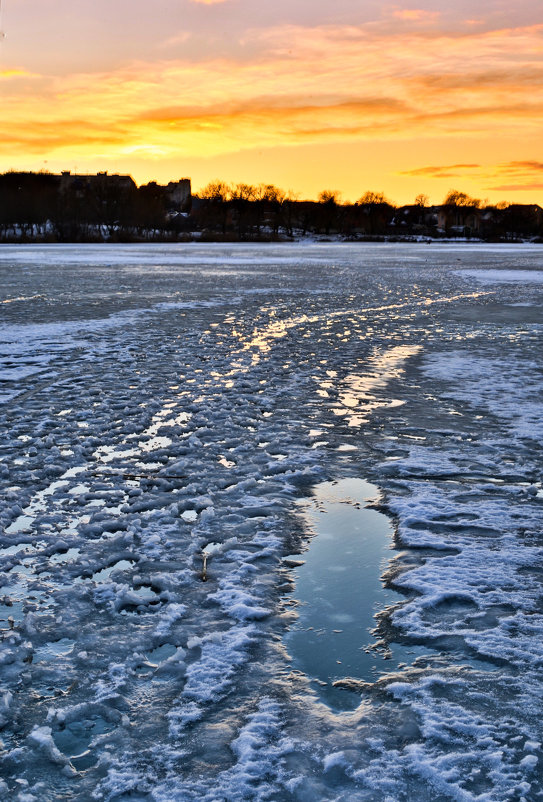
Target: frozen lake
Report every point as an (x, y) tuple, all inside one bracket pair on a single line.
[(284, 417)]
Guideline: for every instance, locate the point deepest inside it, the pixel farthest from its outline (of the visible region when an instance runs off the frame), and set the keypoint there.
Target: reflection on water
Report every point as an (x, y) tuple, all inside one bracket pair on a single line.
[(339, 590), (25, 521), (356, 394), (262, 338)]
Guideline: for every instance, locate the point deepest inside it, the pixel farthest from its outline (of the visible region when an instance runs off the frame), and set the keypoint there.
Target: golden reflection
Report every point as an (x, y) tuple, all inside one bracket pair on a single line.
[(357, 391), (356, 388)]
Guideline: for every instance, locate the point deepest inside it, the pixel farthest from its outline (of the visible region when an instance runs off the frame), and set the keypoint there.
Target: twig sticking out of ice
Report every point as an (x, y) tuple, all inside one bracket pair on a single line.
[(209, 551)]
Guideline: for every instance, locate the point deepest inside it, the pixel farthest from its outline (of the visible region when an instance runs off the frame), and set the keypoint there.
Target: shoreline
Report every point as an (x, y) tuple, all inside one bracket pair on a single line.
[(206, 239)]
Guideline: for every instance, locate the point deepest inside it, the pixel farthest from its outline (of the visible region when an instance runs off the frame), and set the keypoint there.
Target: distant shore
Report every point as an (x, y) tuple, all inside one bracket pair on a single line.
[(72, 208), (157, 237)]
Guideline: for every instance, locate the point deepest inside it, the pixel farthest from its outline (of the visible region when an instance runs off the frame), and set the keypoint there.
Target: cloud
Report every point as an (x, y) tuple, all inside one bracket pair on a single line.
[(415, 14), (177, 39), (14, 73), (352, 84), (441, 171), (60, 131), (515, 76), (521, 167), (208, 2), (282, 108), (533, 187), (524, 170)]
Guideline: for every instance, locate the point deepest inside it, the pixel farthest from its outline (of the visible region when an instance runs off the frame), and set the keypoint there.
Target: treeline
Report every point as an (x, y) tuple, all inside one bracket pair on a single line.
[(243, 211), (69, 208), (51, 208), (246, 211), (265, 211)]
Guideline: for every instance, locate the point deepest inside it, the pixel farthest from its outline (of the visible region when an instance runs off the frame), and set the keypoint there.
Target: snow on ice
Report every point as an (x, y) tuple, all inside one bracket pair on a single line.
[(167, 412)]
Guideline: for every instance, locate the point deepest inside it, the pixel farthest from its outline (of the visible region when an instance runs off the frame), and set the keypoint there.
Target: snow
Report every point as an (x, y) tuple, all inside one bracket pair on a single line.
[(503, 275), (166, 403)]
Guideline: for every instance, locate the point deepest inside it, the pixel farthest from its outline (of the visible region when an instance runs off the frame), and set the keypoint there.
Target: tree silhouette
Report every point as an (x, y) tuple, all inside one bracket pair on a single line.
[(214, 212), (328, 210), (376, 212), (456, 198), (73, 208)]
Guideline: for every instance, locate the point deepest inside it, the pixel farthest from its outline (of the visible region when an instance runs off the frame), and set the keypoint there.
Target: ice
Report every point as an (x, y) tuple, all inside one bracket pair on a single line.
[(497, 276), (164, 405), (55, 649), (105, 573), (41, 737)]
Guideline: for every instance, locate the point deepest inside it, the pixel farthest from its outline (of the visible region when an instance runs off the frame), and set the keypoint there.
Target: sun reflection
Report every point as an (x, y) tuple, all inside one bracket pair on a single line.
[(356, 395), (259, 343)]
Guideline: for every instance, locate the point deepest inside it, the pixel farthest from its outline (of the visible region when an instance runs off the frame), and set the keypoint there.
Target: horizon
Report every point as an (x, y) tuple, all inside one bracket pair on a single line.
[(340, 201), (404, 99)]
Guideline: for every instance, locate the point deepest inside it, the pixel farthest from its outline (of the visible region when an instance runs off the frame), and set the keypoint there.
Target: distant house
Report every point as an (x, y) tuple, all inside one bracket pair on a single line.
[(72, 207), (524, 219), (459, 219), (415, 219)]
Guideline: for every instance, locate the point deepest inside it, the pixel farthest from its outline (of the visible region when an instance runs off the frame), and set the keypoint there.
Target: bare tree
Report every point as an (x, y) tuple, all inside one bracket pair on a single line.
[(456, 198), (243, 197), (215, 211), (373, 199), (376, 212), (328, 209), (270, 201), (331, 196)]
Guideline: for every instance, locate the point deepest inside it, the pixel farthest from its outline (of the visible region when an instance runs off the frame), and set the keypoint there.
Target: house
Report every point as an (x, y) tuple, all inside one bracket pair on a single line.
[(459, 219), (415, 219), (523, 219)]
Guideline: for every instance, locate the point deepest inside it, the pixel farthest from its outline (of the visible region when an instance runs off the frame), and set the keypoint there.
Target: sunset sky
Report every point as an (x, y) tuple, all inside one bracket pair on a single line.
[(352, 95)]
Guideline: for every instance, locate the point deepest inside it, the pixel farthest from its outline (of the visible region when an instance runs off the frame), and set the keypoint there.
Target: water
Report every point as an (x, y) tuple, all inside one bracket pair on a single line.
[(339, 591)]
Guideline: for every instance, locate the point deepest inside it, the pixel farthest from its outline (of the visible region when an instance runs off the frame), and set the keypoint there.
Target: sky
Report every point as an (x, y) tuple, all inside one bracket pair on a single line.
[(352, 95)]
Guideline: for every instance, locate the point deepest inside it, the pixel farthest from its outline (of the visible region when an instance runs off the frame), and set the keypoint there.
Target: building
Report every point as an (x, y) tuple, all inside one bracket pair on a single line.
[(95, 183), (179, 195), (459, 219)]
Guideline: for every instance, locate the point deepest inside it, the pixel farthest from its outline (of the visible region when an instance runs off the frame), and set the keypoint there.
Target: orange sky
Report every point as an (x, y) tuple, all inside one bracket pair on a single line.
[(354, 96)]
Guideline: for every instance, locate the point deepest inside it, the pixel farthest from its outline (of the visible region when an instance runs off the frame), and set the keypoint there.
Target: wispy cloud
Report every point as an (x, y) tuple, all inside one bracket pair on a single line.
[(516, 75), (441, 171), (415, 14), (524, 176), (521, 167), (177, 39), (15, 73), (303, 86), (533, 187)]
